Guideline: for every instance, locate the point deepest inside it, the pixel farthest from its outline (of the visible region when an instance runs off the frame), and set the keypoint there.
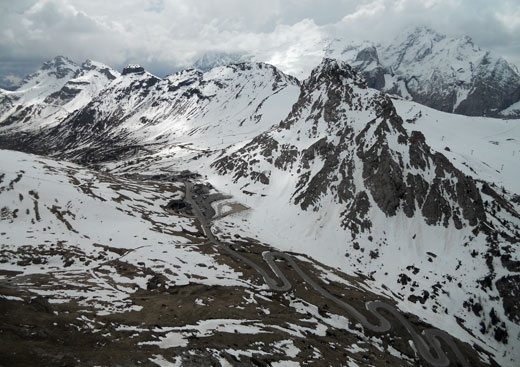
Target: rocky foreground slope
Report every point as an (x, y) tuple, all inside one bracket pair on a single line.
[(98, 270)]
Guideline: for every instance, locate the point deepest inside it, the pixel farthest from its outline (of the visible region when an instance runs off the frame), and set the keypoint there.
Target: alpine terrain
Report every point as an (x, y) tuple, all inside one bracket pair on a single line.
[(232, 215), (448, 74)]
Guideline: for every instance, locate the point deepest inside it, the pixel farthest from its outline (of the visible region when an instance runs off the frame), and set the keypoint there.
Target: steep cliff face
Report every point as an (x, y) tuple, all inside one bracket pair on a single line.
[(448, 74), (355, 136)]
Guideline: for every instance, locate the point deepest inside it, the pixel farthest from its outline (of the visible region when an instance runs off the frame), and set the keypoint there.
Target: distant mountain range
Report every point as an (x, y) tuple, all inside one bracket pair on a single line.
[(210, 60), (448, 74)]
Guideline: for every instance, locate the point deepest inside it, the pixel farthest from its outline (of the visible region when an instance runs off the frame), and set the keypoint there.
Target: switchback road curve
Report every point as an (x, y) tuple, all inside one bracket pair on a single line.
[(432, 337)]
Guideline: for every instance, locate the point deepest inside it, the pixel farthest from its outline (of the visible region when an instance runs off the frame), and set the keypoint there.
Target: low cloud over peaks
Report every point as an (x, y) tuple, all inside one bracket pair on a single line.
[(164, 35)]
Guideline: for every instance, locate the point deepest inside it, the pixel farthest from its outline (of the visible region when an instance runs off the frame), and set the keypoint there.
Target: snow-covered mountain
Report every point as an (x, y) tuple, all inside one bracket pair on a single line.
[(57, 89), (90, 258), (349, 172), (210, 60), (212, 109), (366, 183), (448, 74), (217, 107)]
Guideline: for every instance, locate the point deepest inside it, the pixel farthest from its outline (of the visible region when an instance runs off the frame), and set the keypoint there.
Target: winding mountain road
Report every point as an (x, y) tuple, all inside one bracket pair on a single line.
[(432, 337)]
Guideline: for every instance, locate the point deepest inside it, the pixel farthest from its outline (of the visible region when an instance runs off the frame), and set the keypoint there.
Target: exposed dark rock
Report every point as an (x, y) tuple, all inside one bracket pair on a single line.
[(510, 264), (179, 206), (153, 283), (501, 335), (356, 217), (133, 69), (241, 161), (487, 97), (64, 95), (422, 299), (365, 61), (288, 156), (404, 279), (509, 289), (60, 67), (260, 177)]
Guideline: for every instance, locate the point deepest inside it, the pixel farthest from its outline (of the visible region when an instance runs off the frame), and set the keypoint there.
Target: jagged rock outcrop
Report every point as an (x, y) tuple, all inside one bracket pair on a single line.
[(356, 131), (133, 69)]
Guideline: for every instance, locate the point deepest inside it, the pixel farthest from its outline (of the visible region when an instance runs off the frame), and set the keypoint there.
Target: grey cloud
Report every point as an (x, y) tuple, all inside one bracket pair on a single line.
[(52, 18), (164, 35)]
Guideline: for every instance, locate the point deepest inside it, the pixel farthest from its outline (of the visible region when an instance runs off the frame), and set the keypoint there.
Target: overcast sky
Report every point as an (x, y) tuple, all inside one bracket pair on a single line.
[(163, 35)]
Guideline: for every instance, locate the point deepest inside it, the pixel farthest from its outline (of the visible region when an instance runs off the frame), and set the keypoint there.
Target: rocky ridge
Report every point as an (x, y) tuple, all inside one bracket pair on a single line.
[(48, 96), (399, 171), (343, 151), (448, 74), (138, 108)]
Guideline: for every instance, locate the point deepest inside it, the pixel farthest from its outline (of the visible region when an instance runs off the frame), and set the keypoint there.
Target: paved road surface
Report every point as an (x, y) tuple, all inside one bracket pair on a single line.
[(431, 337)]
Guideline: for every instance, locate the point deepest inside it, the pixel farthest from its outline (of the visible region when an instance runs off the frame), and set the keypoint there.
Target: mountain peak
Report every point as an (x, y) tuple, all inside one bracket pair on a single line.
[(133, 69), (60, 66), (333, 71), (107, 71), (60, 60), (212, 59), (52, 74), (446, 73), (423, 31), (417, 37)]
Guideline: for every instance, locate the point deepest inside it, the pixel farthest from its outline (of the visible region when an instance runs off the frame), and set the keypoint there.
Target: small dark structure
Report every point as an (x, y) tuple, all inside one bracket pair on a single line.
[(202, 190), (187, 175), (179, 206)]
